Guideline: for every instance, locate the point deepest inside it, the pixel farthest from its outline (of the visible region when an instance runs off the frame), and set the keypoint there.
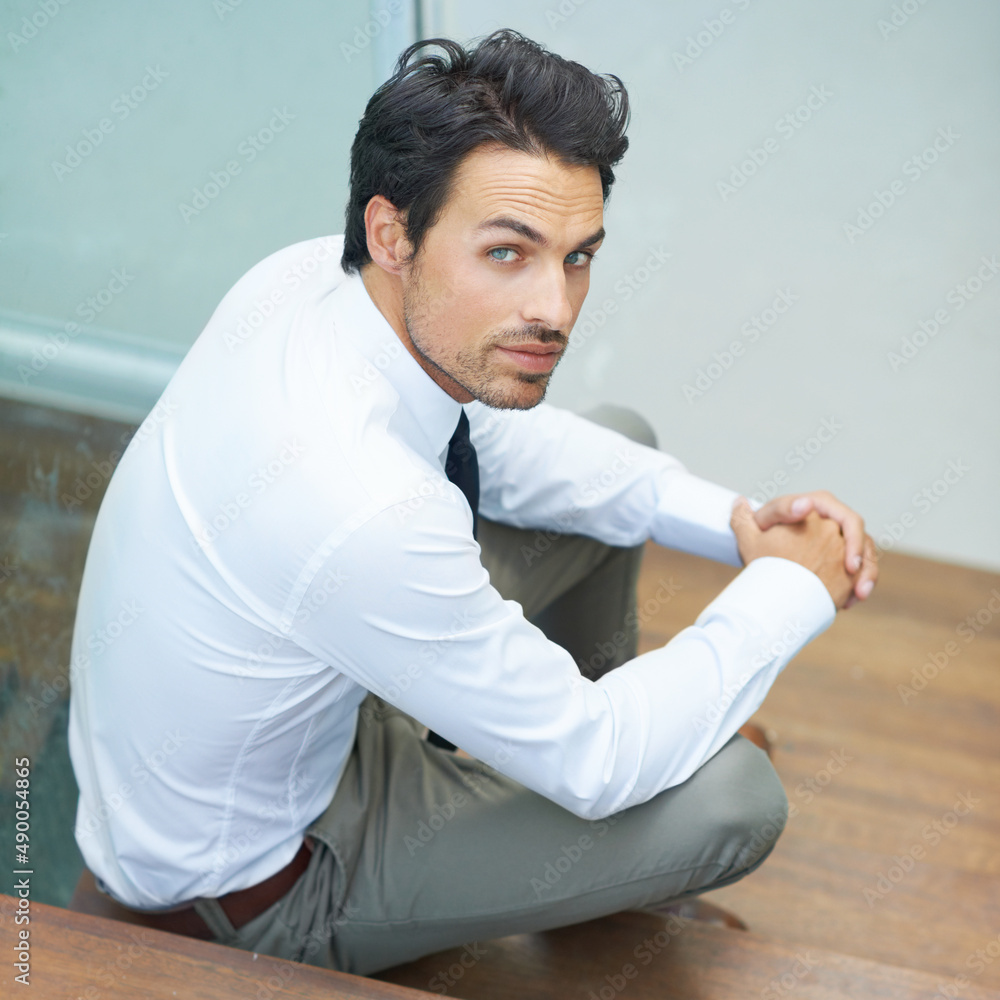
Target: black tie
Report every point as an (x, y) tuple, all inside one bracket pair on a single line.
[(462, 467)]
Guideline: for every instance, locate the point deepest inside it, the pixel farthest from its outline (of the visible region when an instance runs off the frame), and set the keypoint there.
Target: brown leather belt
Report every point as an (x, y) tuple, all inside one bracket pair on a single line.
[(240, 906)]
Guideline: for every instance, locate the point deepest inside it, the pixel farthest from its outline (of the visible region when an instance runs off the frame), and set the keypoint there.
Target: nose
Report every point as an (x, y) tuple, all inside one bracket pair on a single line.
[(548, 301)]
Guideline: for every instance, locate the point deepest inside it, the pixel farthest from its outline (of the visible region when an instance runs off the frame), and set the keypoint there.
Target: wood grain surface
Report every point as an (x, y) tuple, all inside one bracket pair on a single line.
[(83, 957)]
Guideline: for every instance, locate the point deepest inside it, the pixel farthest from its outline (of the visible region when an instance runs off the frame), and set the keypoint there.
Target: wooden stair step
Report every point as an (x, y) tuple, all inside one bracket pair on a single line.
[(82, 956), (637, 956)]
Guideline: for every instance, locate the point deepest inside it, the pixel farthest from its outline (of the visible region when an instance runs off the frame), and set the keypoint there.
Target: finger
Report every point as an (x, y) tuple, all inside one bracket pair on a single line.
[(744, 525), (868, 576), (852, 527), (784, 510), (742, 518)]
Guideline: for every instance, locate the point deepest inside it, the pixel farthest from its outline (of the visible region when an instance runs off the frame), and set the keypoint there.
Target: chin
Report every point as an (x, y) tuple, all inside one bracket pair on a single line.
[(518, 394)]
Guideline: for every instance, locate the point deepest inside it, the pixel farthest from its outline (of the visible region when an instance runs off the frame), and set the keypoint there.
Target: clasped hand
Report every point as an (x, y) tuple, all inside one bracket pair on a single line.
[(817, 531)]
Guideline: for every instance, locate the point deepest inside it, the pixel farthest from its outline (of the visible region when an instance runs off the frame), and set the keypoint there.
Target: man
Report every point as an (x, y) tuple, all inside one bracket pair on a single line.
[(306, 519)]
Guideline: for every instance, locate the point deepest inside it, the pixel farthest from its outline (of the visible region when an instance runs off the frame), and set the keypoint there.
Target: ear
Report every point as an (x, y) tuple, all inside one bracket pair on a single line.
[(384, 228)]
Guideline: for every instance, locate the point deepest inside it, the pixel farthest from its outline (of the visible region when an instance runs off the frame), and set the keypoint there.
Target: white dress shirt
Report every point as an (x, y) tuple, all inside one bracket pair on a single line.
[(280, 538)]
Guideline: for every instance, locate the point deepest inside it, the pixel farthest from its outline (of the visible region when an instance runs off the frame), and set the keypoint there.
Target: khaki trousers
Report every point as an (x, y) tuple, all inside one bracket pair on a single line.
[(422, 850)]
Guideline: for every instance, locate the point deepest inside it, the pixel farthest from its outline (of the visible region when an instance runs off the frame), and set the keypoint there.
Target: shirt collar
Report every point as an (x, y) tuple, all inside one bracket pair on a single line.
[(434, 412)]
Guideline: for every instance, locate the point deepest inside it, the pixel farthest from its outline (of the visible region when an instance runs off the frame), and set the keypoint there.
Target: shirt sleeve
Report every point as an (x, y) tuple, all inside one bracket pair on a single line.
[(550, 469), (418, 623)]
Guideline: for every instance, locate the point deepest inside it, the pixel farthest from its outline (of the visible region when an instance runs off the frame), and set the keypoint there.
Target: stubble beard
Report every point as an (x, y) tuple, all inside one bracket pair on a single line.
[(476, 370)]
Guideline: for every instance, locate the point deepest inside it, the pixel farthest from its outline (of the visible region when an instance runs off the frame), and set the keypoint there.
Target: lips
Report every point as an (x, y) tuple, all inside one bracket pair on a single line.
[(534, 357)]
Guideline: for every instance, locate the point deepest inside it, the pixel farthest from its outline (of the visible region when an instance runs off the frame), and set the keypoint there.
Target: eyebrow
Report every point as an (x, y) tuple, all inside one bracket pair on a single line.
[(530, 233)]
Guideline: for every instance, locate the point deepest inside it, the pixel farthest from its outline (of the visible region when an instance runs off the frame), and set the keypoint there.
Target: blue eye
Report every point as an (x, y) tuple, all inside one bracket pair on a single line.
[(500, 250), (583, 258)]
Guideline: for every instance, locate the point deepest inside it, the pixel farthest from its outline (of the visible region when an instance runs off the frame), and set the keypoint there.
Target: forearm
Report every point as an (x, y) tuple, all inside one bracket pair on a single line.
[(548, 468)]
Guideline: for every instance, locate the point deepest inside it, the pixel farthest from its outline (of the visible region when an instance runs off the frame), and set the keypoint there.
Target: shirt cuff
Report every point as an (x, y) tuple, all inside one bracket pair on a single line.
[(788, 603), (692, 515)]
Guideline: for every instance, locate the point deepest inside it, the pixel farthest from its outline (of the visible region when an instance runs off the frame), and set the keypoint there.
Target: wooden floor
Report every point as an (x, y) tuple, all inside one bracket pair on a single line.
[(627, 955), (75, 955), (892, 854), (910, 756)]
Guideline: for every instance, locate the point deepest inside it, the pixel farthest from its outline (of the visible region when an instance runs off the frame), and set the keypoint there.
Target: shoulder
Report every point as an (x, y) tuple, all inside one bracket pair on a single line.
[(291, 265)]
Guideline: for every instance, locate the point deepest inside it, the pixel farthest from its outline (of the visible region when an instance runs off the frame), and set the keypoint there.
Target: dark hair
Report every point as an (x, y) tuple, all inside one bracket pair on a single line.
[(436, 109)]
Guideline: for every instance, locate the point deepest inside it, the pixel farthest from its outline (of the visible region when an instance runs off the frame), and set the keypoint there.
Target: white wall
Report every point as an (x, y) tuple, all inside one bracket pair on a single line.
[(896, 432), (893, 431)]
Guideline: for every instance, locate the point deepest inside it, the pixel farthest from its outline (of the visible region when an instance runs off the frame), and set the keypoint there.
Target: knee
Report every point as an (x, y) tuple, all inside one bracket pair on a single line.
[(750, 806), (762, 832), (624, 420)]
